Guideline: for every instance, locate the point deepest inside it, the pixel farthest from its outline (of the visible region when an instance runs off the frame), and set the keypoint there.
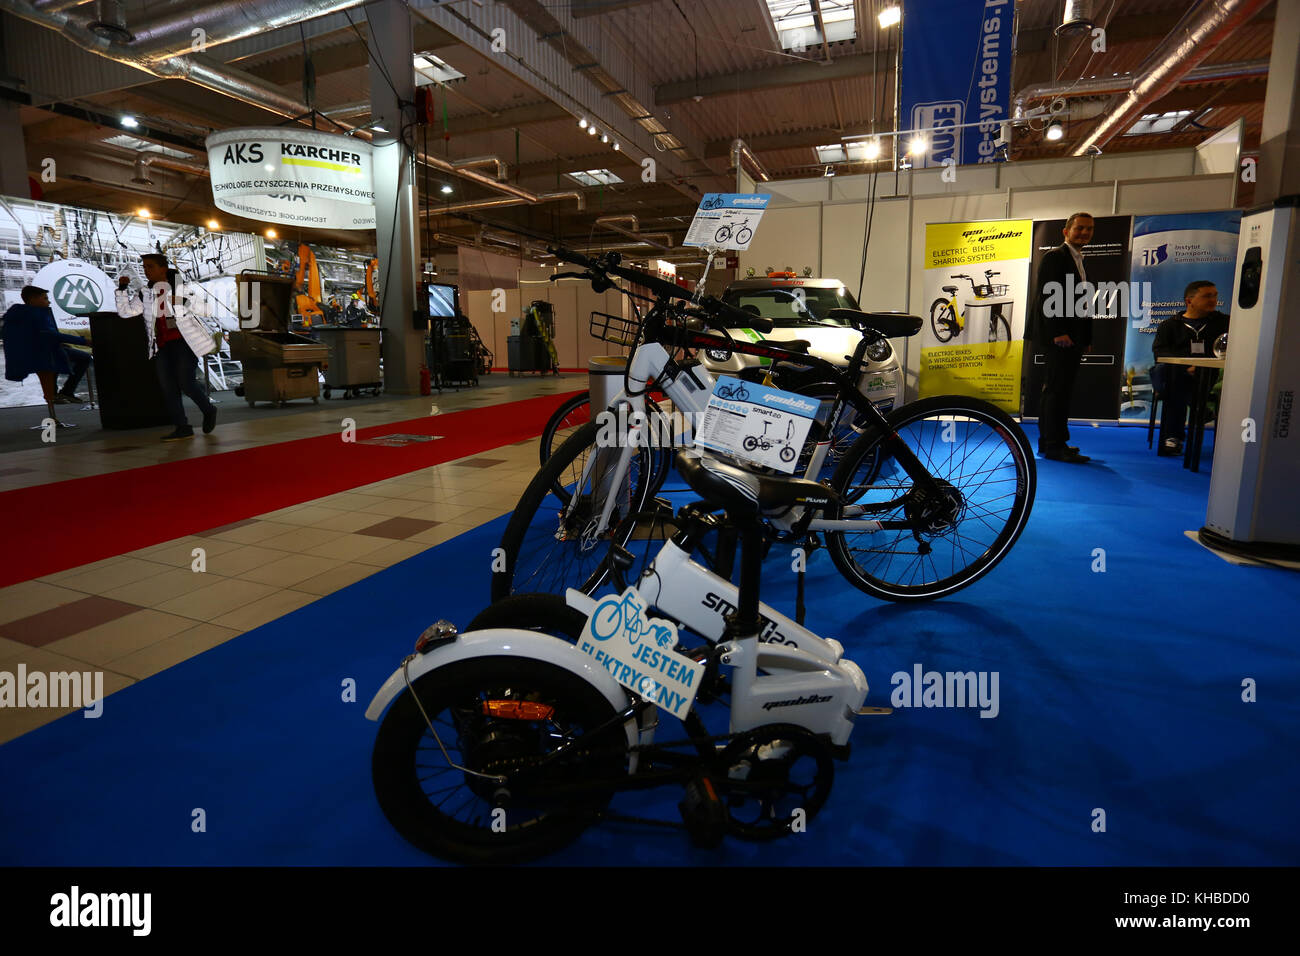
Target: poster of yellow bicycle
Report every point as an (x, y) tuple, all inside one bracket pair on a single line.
[(975, 293)]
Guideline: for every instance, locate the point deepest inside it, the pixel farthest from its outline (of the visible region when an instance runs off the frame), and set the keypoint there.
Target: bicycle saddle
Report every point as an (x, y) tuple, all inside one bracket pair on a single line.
[(950, 289), (892, 325), (739, 490)]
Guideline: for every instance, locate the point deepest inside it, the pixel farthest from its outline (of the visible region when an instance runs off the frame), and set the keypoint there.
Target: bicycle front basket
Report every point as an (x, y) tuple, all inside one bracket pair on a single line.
[(613, 328)]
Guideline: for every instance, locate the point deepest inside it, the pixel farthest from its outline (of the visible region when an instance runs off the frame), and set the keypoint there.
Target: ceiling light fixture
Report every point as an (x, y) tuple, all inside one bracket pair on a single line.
[(917, 146), (446, 190), (604, 137), (591, 130), (213, 224), (270, 233), (379, 129), (889, 16), (130, 122), (1055, 131), (872, 149), (616, 146), (582, 123), (142, 213)]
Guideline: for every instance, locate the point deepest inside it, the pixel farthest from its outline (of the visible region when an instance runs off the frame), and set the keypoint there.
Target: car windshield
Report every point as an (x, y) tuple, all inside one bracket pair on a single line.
[(792, 306)]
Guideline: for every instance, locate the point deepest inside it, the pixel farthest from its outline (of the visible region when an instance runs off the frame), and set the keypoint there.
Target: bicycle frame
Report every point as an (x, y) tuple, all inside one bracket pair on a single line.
[(689, 390)]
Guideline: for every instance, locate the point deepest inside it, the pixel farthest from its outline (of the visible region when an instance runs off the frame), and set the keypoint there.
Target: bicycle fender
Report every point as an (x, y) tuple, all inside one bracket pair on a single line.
[(507, 642)]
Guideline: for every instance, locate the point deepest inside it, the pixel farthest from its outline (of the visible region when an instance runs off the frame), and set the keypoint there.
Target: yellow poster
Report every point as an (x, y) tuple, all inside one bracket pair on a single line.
[(975, 288)]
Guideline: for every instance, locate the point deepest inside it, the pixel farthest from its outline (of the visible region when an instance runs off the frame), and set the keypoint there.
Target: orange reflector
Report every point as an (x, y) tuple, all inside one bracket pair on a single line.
[(517, 710)]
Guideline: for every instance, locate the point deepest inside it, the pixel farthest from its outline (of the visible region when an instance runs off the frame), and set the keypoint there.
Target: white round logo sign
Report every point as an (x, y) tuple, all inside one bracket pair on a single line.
[(298, 177), (76, 289)]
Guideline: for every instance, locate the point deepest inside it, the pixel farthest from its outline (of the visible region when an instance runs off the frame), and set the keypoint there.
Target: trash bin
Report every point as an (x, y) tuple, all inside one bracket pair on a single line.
[(353, 359)]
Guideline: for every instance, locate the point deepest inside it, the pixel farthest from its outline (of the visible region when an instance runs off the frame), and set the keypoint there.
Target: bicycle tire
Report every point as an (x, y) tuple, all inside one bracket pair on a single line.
[(994, 428), (548, 550), (572, 413), (1001, 342), (401, 780), (943, 330)]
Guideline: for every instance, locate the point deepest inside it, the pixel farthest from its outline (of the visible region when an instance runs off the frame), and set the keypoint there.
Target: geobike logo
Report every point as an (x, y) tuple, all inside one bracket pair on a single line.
[(77, 295)]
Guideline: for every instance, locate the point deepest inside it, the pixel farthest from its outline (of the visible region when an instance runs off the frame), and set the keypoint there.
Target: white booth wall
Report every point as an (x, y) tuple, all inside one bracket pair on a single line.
[(820, 222)]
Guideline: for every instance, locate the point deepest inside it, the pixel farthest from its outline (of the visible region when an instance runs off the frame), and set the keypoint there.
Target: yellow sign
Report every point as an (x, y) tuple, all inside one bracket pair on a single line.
[(951, 244), (990, 372)]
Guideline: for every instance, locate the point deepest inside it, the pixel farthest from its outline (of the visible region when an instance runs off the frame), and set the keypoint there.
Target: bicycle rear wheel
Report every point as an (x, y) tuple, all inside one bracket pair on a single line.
[(942, 320), (552, 541), (935, 544), (567, 419), (999, 336)]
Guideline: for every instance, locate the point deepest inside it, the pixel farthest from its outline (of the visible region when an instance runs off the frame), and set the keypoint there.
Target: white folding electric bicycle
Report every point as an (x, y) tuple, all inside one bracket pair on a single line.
[(503, 743)]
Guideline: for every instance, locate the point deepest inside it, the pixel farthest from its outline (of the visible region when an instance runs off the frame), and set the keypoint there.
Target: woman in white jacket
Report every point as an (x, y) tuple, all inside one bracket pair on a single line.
[(175, 335)]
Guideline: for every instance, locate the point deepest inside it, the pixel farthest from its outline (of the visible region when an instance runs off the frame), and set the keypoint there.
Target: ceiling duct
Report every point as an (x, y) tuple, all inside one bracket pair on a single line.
[(111, 24), (1101, 85), (476, 204), (141, 173), (1191, 41), (611, 222), (171, 34), (1077, 18)]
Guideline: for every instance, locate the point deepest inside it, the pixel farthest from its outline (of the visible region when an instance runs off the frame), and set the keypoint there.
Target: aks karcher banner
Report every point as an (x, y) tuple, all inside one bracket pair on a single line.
[(297, 177)]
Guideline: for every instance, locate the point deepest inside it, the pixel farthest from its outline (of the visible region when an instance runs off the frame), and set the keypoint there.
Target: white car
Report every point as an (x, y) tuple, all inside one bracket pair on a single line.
[(799, 308)]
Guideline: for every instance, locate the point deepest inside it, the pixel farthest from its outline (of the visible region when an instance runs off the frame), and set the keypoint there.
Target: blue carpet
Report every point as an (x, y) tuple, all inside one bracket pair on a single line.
[(1118, 690)]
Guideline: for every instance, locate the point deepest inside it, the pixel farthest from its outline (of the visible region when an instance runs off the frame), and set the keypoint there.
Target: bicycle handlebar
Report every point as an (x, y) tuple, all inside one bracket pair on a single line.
[(599, 270)]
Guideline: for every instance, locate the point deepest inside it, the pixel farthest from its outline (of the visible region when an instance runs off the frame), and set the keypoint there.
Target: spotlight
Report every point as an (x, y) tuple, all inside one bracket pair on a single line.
[(604, 137), (379, 129), (446, 190), (889, 16), (142, 213), (871, 149), (270, 233), (917, 146), (591, 130), (130, 122), (616, 144), (1055, 131), (582, 123), (213, 225)]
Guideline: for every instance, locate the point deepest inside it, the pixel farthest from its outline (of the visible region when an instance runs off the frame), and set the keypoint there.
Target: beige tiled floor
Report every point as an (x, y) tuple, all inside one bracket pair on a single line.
[(255, 573)]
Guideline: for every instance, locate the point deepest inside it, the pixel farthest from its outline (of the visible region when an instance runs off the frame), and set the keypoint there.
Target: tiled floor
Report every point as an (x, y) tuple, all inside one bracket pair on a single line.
[(136, 614)]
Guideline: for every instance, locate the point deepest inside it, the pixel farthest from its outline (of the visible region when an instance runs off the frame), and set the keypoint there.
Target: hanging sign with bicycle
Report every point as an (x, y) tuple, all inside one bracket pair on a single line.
[(754, 423), (638, 652), (726, 220)]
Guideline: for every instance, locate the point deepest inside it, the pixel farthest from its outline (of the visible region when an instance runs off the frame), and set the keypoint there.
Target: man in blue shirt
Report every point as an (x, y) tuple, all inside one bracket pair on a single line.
[(33, 343)]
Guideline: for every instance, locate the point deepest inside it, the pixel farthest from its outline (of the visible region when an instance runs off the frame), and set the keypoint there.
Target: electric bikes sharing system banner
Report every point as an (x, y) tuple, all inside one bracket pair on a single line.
[(956, 70), (974, 284), (1107, 297), (1168, 253), (298, 177)]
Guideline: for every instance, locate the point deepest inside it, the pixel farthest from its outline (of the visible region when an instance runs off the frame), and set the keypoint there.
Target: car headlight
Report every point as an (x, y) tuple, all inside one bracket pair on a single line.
[(879, 350), (717, 355)]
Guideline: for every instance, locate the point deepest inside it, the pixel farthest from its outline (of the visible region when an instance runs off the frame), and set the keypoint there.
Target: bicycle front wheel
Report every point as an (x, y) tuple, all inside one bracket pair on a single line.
[(555, 539), (933, 544)]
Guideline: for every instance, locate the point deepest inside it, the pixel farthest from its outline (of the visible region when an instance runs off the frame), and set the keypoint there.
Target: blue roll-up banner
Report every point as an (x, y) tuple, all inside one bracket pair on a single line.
[(956, 70), (1170, 251)]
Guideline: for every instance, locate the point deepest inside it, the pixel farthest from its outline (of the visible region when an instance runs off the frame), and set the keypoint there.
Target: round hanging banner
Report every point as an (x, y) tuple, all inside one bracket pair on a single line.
[(76, 290), (298, 177)]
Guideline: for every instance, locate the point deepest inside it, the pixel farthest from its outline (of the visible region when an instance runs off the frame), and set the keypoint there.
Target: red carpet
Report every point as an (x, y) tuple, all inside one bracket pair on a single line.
[(66, 524)]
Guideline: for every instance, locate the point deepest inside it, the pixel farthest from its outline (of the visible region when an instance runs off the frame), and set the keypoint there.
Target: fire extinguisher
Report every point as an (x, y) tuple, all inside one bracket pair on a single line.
[(426, 380)]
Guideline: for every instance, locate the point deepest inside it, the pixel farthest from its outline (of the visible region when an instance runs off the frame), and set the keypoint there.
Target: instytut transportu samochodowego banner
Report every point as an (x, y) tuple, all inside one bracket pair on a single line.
[(974, 290), (1108, 298), (1169, 252), (298, 177)]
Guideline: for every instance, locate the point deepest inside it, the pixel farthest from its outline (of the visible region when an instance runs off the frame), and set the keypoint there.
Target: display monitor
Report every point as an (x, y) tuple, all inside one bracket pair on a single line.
[(443, 300)]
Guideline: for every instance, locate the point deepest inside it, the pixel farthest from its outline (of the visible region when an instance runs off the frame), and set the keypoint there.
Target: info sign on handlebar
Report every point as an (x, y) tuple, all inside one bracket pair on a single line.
[(726, 220)]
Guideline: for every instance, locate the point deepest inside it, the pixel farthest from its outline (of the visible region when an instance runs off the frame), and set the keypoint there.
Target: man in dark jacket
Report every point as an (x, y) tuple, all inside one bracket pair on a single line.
[(33, 343), (1191, 334), (1063, 334)]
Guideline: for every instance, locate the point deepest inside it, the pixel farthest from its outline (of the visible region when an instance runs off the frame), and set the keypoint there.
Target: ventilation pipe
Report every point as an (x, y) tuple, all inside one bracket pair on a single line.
[(1195, 38), (739, 151), (476, 204), (611, 222), (172, 34)]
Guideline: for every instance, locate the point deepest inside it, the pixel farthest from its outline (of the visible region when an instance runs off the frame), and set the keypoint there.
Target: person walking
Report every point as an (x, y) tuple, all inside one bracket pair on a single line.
[(1064, 336), (176, 338), (33, 343)]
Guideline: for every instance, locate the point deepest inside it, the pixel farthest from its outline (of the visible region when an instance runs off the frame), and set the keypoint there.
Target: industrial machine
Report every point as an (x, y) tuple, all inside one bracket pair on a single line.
[(279, 365)]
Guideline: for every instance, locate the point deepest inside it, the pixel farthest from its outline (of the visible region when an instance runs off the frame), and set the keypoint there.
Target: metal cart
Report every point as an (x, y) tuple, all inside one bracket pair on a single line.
[(279, 365), (353, 359)]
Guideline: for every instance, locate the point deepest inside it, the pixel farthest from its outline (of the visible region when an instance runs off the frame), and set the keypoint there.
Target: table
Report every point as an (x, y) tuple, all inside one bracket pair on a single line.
[(1200, 395)]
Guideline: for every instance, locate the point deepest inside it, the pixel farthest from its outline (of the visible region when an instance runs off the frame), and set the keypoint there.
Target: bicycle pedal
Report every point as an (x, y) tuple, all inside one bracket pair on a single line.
[(703, 813), (867, 711)]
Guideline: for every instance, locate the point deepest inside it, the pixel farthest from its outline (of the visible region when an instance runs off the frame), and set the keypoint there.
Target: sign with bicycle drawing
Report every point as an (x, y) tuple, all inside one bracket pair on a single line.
[(638, 652), (975, 288), (726, 220), (754, 423)]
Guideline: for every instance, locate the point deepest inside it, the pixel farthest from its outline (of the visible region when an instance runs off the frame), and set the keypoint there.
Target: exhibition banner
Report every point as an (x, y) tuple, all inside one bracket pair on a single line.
[(956, 70), (77, 290), (1108, 298), (975, 280), (1169, 252), (298, 177)]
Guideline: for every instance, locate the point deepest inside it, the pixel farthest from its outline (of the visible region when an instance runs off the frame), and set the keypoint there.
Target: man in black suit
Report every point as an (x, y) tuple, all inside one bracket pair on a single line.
[(1064, 335)]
